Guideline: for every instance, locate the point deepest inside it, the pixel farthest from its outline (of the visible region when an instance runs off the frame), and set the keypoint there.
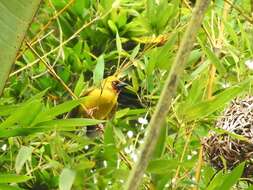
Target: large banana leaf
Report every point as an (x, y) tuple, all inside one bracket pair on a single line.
[(15, 18)]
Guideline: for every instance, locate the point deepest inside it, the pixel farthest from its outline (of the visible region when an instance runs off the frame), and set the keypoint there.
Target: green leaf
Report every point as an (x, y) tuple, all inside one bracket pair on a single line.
[(51, 113), (15, 17), (59, 125), (214, 59), (98, 73), (232, 177), (66, 179), (112, 26), (121, 113), (24, 154), (162, 166), (135, 52), (160, 146), (8, 109), (73, 122), (110, 151), (79, 85), (216, 181), (249, 188), (204, 108), (84, 164), (118, 44), (9, 187), (23, 115), (13, 178)]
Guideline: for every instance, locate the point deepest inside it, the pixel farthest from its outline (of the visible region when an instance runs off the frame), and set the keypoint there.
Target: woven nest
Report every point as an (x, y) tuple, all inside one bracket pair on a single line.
[(225, 151)]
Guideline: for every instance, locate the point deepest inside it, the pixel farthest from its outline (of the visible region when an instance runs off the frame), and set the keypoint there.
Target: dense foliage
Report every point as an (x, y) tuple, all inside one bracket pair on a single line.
[(80, 42)]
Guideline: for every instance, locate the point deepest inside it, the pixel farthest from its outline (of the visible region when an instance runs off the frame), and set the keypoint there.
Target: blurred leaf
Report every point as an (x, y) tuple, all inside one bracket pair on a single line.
[(112, 26), (73, 122), (161, 144), (66, 179), (162, 166), (159, 13), (23, 115), (121, 113), (24, 154), (13, 27), (110, 151), (250, 187), (121, 137), (8, 109), (79, 85), (98, 73), (204, 108), (232, 177), (85, 164), (216, 181), (9, 187), (60, 125), (161, 56), (118, 44), (214, 59), (13, 178), (135, 52), (57, 110)]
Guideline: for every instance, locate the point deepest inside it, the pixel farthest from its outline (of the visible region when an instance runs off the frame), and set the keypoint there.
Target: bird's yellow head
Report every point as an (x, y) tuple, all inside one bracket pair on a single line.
[(113, 83)]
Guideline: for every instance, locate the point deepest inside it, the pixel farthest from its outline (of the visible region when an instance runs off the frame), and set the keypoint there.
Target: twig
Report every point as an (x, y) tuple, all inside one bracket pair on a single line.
[(175, 179), (36, 38), (54, 74), (61, 44), (167, 94), (242, 12)]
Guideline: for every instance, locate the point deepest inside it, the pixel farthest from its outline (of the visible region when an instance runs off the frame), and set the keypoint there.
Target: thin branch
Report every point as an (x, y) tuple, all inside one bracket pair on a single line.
[(44, 27), (62, 44), (167, 94), (241, 11)]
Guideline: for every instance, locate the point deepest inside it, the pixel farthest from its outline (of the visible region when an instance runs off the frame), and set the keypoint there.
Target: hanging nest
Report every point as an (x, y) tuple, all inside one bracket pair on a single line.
[(225, 150)]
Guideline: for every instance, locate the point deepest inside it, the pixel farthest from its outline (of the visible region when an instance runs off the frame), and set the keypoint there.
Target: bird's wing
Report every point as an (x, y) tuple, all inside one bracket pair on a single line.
[(113, 111)]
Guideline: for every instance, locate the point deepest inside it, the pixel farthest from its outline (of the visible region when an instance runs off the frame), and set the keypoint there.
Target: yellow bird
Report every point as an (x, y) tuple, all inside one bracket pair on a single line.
[(101, 102)]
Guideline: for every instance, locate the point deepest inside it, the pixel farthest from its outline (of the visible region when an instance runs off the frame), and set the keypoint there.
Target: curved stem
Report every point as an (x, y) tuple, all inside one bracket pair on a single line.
[(167, 94)]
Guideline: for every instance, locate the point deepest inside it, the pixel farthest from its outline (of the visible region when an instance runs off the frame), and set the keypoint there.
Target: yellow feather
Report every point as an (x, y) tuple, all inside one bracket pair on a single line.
[(101, 101)]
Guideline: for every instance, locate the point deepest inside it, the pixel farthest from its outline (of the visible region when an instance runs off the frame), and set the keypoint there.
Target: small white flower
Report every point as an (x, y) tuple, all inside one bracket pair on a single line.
[(130, 134), (4, 147), (249, 64), (142, 120), (225, 85), (141, 141), (121, 181), (194, 152), (105, 163), (134, 157), (86, 147), (189, 157), (127, 150)]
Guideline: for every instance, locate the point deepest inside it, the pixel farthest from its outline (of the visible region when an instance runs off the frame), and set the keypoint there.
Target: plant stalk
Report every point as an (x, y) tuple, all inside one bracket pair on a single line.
[(169, 90)]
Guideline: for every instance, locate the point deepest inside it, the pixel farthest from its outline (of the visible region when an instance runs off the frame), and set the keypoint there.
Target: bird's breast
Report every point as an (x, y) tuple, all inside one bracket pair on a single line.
[(100, 103)]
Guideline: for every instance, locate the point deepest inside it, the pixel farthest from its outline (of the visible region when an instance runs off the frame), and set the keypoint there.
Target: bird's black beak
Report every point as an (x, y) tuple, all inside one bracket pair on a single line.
[(120, 85)]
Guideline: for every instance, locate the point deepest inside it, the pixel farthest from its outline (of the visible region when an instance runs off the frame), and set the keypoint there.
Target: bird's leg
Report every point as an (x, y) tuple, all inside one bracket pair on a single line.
[(92, 110)]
